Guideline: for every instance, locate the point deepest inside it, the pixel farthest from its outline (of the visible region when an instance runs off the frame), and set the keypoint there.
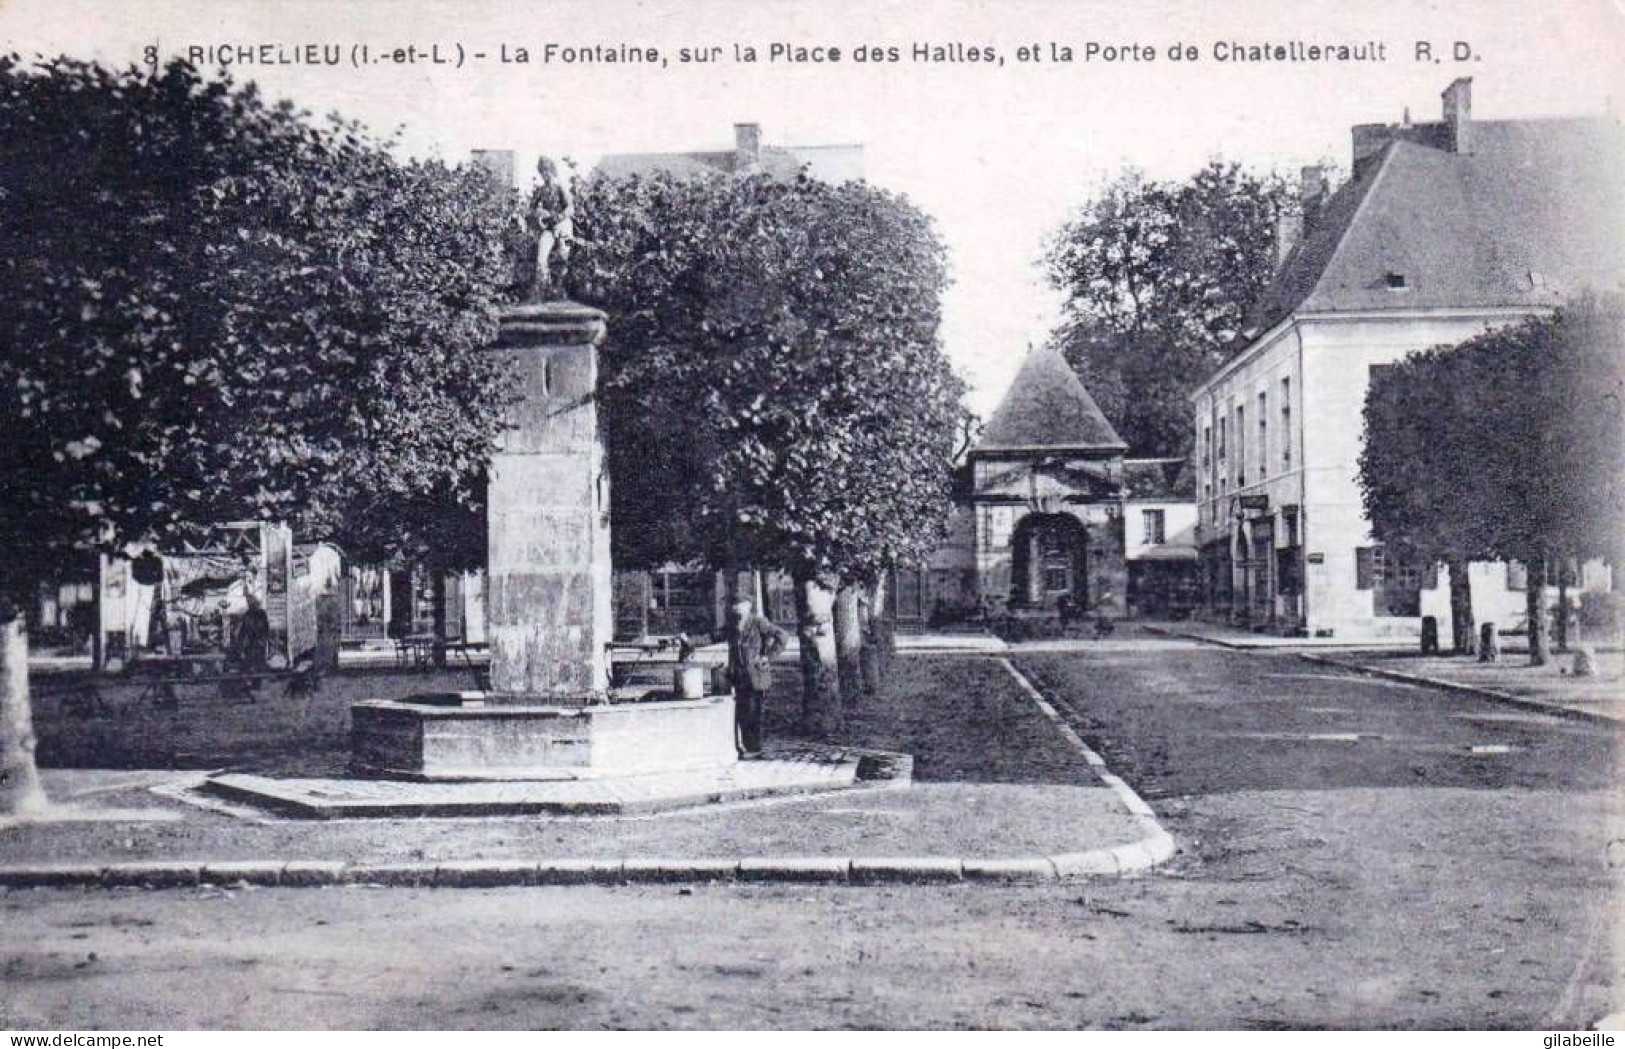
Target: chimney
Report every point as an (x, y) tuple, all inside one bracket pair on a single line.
[(1291, 226), (497, 164), (1288, 231), (1458, 114), (1312, 189), (747, 146)]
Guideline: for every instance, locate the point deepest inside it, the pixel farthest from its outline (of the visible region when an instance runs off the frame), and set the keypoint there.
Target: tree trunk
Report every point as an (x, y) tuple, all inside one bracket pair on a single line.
[(1535, 612), (820, 678), (437, 588), (849, 644), (20, 789), (881, 635), (98, 658), (1561, 625), (1463, 633), (869, 656)]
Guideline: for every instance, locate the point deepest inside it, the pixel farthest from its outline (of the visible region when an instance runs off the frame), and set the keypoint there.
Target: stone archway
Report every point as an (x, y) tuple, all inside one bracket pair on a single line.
[(1049, 560)]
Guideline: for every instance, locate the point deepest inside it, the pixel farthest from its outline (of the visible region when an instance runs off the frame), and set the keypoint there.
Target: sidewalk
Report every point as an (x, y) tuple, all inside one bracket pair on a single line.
[(1025, 802), (1550, 688), (1235, 637)]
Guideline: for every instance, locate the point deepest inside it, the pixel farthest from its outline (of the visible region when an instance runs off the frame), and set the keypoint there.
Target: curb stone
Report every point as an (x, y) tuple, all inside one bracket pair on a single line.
[(795, 869), (469, 874), (907, 869), (155, 874), (1012, 870), (313, 873), (638, 870), (251, 872), (1155, 847), (1508, 698)]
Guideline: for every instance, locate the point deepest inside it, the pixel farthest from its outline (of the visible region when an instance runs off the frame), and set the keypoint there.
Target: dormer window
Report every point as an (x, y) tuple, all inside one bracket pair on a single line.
[(1395, 281)]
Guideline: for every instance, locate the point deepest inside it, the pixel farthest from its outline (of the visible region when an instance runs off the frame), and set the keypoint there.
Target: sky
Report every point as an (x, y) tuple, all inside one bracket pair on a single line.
[(999, 154)]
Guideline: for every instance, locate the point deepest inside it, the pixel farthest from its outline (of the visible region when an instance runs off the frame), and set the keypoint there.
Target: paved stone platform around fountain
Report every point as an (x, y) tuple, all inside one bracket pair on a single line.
[(801, 770)]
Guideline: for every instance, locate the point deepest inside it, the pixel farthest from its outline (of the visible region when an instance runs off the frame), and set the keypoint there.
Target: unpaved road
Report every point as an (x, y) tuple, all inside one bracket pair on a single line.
[(1347, 861)]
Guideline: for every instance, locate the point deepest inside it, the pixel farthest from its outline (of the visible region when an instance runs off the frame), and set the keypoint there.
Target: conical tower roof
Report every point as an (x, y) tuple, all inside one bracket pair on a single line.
[(1048, 408)]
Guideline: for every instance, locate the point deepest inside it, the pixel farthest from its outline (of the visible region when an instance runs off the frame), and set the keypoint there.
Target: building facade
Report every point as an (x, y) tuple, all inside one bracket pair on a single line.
[(1444, 231), (1051, 514)]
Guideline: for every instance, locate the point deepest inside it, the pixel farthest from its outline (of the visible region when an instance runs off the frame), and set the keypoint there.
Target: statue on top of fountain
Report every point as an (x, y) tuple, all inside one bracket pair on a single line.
[(550, 220)]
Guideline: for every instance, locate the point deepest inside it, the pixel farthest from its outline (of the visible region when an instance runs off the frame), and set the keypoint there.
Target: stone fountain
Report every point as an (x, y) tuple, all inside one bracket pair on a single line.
[(549, 619), (546, 736)]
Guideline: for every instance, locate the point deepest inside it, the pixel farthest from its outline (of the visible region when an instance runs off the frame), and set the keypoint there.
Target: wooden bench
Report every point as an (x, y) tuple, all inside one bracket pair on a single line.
[(304, 678)]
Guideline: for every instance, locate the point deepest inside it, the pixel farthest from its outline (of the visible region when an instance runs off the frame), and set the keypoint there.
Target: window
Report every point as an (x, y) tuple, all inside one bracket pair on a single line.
[(1286, 424), (1398, 580), (1368, 567), (1224, 434), (1263, 434), (1207, 445), (1517, 575), (1056, 581), (1241, 445), (1155, 525)]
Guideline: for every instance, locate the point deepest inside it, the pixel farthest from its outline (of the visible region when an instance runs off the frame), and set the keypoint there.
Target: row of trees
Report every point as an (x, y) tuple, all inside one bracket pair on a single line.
[(1159, 278), (774, 391), (215, 308), (1507, 446)]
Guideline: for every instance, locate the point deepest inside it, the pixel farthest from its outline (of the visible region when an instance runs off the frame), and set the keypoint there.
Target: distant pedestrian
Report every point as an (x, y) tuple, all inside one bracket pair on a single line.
[(253, 635), (753, 641)]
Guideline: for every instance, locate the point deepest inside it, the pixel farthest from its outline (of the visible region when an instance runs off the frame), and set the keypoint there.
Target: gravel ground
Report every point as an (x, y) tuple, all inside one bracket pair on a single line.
[(993, 779)]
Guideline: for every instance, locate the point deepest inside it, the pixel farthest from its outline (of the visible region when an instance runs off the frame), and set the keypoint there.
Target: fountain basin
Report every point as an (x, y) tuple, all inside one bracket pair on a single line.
[(460, 736)]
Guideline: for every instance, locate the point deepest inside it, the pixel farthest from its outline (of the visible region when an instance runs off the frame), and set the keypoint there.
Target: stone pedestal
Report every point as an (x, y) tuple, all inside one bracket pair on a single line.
[(548, 612)]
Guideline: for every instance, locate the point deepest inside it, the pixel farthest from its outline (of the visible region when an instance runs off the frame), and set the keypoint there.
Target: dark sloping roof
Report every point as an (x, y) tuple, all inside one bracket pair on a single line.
[(1532, 216), (1047, 407)]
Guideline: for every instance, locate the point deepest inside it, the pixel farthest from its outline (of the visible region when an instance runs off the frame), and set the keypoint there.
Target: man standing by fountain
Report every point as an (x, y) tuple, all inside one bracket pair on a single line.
[(753, 641)]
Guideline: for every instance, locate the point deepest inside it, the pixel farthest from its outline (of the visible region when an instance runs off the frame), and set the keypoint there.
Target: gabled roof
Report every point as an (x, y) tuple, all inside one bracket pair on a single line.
[(1047, 407), (1532, 216)]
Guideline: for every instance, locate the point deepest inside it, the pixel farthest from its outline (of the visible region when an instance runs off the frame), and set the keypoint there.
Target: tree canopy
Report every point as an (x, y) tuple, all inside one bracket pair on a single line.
[(216, 308), (1507, 445), (774, 391), (1159, 278)]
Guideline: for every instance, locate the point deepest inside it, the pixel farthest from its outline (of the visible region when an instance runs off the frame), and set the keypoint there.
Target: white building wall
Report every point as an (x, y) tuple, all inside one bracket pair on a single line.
[(1326, 361), (1338, 354), (1178, 516), (1255, 462)]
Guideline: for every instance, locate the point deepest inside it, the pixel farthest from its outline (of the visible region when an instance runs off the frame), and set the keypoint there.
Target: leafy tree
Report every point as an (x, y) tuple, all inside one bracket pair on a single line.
[(1505, 446), (1159, 278), (1418, 485), (214, 309), (775, 394)]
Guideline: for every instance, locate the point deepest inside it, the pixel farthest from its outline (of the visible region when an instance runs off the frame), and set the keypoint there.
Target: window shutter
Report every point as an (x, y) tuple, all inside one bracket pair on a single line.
[(1362, 568)]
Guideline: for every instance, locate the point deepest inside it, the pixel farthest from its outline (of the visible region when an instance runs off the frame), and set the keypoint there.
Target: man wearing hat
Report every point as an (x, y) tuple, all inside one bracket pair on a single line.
[(753, 641)]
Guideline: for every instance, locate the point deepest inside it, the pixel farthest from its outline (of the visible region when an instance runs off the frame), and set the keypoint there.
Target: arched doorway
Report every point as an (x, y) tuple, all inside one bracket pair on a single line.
[(1050, 560)]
